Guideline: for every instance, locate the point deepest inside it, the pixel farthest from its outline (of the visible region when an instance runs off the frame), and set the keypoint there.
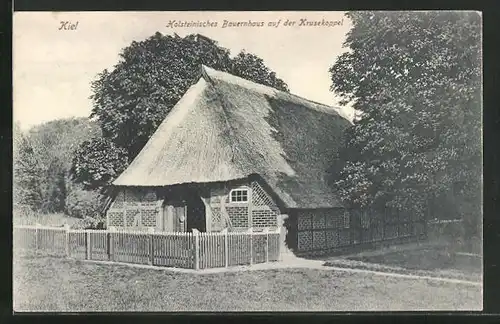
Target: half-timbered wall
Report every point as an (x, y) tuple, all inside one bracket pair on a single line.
[(259, 212), (138, 208), (333, 229)]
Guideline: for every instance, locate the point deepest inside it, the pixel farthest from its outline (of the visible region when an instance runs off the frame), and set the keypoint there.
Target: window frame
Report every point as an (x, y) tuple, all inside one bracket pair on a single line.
[(242, 189), (346, 219)]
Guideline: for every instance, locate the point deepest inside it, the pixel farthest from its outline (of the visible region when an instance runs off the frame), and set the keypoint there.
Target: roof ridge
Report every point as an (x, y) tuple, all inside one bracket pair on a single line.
[(204, 73), (209, 73)]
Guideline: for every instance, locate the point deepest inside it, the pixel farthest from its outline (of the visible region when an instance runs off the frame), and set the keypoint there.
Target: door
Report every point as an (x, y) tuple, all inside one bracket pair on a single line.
[(174, 218), (196, 214), (168, 217), (180, 221), (283, 233)]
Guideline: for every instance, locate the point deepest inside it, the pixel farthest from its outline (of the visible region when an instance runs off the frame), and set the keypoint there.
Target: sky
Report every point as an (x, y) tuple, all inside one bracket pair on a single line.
[(52, 68)]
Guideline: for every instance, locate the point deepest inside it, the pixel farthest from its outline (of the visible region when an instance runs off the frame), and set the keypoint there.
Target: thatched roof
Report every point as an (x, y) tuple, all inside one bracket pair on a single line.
[(226, 128)]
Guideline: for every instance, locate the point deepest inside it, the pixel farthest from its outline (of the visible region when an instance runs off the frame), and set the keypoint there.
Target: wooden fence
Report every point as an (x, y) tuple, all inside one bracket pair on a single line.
[(192, 250)]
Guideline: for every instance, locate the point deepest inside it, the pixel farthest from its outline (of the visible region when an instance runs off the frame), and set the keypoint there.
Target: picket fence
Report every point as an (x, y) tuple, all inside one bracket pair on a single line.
[(193, 250)]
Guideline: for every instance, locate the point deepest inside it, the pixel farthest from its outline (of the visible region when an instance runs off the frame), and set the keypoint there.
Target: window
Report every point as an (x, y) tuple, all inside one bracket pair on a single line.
[(239, 195), (347, 219)]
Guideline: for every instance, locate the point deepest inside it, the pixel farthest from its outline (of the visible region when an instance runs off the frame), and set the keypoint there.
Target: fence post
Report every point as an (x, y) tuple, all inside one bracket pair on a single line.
[(88, 253), (66, 246), (196, 249), (250, 231), (36, 236), (151, 230), (111, 243), (226, 247), (266, 230)]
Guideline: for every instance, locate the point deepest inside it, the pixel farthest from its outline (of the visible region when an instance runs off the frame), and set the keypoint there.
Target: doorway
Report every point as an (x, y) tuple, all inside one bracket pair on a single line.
[(174, 217), (183, 210), (196, 214)]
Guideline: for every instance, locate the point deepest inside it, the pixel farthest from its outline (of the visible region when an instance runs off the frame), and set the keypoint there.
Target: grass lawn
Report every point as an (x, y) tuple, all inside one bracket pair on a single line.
[(43, 283), (54, 219), (432, 258), (436, 260)]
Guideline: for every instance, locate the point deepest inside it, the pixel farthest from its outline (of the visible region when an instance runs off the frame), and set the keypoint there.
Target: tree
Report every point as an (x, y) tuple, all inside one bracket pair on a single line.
[(98, 161), (42, 158), (415, 78), (27, 172), (17, 142), (252, 67), (82, 203), (132, 99)]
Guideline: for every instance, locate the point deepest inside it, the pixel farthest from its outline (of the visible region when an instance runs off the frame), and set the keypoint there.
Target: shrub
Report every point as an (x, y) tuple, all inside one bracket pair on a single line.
[(23, 215), (90, 223), (83, 203)]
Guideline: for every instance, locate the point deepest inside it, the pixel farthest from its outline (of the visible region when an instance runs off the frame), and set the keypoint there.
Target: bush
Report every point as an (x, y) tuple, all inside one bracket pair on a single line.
[(90, 223), (23, 215), (83, 203)]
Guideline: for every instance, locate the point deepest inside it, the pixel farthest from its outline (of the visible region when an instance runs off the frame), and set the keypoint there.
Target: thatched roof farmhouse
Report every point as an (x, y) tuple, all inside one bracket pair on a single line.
[(227, 128), (235, 154)]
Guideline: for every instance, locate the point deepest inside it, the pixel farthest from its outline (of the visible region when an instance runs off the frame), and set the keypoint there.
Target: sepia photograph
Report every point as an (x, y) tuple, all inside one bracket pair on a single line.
[(279, 161)]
